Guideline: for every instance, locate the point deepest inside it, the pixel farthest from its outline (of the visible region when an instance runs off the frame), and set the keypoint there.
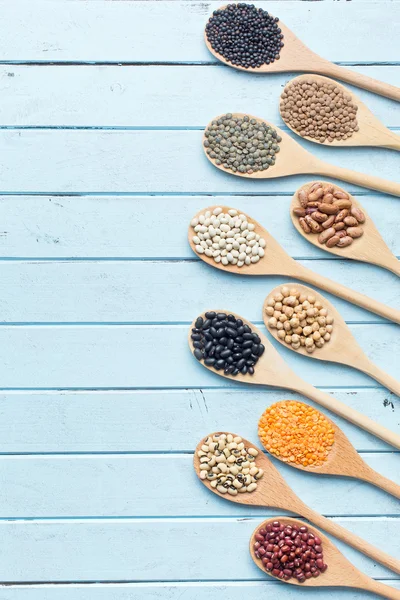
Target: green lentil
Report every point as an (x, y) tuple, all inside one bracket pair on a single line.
[(241, 144)]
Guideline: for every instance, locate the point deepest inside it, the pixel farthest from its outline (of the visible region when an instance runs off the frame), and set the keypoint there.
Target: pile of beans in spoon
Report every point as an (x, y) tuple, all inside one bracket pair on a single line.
[(225, 342)]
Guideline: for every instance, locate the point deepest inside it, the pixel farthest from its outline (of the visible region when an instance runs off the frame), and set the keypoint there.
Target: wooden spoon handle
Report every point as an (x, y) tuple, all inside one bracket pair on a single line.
[(368, 474), (379, 588), (351, 538), (337, 289), (388, 261), (344, 411), (364, 364), (362, 81), (361, 179)]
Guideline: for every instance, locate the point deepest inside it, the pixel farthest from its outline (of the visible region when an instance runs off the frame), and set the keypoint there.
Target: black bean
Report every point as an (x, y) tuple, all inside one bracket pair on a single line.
[(198, 354), (247, 344), (197, 344), (250, 370), (261, 350), (243, 370), (221, 316), (256, 338), (239, 340), (213, 332), (236, 348), (199, 322), (225, 353), (237, 356), (232, 333), (254, 357), (208, 336), (214, 322), (223, 341), (218, 349), (232, 318), (246, 353), (228, 370), (229, 343), (211, 352), (240, 364), (220, 332), (235, 372), (254, 349), (248, 336), (247, 329), (250, 363), (196, 336), (210, 315), (207, 324), (229, 360), (220, 363), (208, 347), (241, 330), (195, 330), (239, 322), (209, 362)]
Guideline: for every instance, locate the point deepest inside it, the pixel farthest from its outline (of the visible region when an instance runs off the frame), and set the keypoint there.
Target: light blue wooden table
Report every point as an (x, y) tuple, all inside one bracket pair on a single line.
[(102, 110)]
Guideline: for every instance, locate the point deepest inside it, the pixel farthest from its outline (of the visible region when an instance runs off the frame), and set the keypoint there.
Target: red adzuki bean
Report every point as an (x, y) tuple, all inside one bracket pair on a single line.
[(288, 551)]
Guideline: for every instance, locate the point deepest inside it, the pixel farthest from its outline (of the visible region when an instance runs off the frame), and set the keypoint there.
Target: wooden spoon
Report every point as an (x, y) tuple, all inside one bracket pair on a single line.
[(371, 131), (369, 248), (344, 460), (340, 573), (273, 491), (277, 262), (293, 159), (271, 370), (342, 348), (296, 56)]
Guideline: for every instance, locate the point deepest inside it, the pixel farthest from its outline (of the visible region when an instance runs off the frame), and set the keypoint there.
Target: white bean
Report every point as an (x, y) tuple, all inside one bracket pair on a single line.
[(199, 249)]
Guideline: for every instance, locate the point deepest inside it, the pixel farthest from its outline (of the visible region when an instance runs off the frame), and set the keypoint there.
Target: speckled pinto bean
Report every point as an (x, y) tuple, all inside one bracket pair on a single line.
[(326, 208), (345, 241)]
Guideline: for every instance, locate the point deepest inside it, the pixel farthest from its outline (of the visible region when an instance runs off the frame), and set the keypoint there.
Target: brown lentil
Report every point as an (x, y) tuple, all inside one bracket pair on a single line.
[(321, 111)]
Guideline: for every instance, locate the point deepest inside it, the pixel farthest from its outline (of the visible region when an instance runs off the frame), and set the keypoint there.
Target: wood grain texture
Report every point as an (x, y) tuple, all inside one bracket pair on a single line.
[(252, 590), (157, 96), (95, 161), (164, 420), (121, 291), (112, 357), (98, 486), (127, 31), (103, 226), (125, 549)]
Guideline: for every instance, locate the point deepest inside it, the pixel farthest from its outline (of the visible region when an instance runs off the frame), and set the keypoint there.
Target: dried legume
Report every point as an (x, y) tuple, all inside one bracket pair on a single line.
[(228, 464), (241, 144), (229, 238), (301, 320), (319, 110), (289, 551), (296, 433), (244, 35), (327, 210), (225, 342)]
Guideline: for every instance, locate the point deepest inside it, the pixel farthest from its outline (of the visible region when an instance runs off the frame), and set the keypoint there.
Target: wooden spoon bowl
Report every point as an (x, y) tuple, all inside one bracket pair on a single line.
[(271, 370), (342, 348), (344, 460), (369, 248), (371, 131), (277, 262), (273, 491), (293, 159), (340, 572), (296, 56)]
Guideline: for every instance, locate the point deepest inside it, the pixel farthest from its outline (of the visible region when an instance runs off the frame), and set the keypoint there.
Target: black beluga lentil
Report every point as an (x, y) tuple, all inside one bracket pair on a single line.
[(244, 35), (226, 343)]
